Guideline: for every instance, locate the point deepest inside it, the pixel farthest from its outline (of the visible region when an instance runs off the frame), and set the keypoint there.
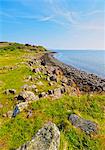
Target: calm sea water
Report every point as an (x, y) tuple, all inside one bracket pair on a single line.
[(87, 60)]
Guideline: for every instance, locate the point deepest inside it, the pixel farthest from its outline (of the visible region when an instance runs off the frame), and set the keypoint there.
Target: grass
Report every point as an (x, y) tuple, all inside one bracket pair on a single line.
[(21, 129), (16, 131)]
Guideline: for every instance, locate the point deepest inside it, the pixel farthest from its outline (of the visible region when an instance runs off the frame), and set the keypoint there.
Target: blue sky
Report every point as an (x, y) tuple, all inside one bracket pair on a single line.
[(55, 24)]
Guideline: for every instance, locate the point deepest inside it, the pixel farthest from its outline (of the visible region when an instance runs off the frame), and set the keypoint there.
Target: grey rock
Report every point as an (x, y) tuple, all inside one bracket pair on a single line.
[(85, 125), (27, 96), (47, 138)]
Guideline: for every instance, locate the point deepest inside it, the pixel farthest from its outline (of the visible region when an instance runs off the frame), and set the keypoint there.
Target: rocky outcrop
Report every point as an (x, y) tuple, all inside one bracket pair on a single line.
[(85, 125), (47, 138), (27, 96)]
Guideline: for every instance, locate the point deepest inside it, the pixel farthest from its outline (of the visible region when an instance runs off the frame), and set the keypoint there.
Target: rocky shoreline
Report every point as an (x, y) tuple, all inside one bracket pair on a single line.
[(84, 81)]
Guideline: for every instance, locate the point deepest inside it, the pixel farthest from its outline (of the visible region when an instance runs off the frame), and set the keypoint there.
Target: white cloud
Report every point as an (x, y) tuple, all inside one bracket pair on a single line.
[(47, 18), (94, 12)]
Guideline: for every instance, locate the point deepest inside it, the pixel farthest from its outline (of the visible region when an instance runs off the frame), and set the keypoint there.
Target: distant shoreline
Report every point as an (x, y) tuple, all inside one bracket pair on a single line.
[(84, 80)]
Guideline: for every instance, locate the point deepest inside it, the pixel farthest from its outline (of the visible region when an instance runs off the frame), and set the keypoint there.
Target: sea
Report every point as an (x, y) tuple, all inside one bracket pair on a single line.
[(91, 61)]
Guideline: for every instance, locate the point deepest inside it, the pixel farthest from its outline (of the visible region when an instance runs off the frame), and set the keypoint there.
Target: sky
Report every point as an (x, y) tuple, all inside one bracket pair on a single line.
[(55, 24)]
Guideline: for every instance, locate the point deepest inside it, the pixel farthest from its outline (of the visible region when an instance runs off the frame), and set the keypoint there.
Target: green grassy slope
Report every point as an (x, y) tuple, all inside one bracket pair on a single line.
[(16, 131)]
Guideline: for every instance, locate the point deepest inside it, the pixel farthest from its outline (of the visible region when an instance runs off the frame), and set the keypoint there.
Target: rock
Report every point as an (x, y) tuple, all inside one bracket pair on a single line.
[(27, 87), (51, 83), (85, 125), (53, 78), (42, 94), (50, 92), (4, 115), (30, 78), (47, 138), (57, 71), (64, 80), (63, 90), (10, 91), (48, 79), (9, 114), (57, 93), (27, 96), (35, 70), (43, 63), (103, 87)]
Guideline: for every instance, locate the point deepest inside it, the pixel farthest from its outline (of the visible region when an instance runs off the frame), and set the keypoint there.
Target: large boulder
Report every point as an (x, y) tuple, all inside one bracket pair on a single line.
[(47, 138), (85, 125), (27, 96)]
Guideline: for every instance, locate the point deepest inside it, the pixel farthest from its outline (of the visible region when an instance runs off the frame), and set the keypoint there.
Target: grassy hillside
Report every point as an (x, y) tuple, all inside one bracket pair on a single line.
[(14, 73)]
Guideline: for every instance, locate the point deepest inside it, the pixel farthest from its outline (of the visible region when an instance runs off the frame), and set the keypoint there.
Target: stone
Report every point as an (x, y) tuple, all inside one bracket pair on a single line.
[(10, 91), (4, 115), (64, 80), (47, 138), (86, 125), (57, 71), (27, 87), (57, 93), (50, 92), (42, 94), (53, 78), (43, 63), (63, 90), (27, 96), (35, 70)]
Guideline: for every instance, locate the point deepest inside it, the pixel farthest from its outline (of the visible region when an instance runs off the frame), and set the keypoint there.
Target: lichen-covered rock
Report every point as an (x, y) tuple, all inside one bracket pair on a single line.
[(47, 138), (85, 125), (27, 96)]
